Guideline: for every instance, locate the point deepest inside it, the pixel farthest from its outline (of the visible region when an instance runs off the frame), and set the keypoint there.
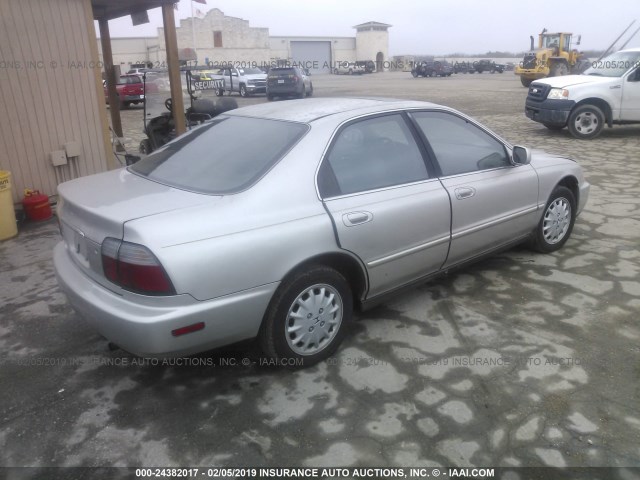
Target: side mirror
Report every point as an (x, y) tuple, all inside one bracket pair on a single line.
[(520, 156), (635, 76)]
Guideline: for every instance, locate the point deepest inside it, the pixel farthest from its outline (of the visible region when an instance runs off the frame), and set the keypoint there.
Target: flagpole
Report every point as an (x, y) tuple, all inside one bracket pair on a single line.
[(193, 31)]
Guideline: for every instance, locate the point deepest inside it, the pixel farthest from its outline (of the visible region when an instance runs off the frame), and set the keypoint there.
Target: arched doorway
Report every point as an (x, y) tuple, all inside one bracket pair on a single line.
[(379, 62)]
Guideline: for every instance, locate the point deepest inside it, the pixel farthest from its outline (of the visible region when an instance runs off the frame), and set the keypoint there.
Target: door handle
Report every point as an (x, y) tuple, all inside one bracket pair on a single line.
[(352, 219), (465, 192)]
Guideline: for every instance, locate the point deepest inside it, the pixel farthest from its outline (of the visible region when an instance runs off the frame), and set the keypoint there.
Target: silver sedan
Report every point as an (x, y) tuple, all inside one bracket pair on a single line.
[(277, 220)]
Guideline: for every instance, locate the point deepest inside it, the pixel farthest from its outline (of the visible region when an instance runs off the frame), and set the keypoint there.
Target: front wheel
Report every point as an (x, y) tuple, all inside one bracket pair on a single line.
[(557, 221), (525, 81), (243, 91), (586, 122), (307, 317)]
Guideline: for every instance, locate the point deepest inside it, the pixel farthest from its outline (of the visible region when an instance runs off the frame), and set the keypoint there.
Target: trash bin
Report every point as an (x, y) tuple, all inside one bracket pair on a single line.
[(8, 226)]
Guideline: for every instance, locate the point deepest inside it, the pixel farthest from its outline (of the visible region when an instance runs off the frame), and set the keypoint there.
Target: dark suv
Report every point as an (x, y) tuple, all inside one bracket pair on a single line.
[(430, 69), (288, 81)]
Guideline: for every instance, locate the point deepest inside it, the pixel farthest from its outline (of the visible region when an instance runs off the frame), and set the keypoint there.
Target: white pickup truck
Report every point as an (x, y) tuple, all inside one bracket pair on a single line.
[(607, 93), (245, 81)]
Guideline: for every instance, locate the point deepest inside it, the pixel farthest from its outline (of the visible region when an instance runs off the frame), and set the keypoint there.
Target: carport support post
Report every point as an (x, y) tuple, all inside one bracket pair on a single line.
[(171, 42), (107, 55)]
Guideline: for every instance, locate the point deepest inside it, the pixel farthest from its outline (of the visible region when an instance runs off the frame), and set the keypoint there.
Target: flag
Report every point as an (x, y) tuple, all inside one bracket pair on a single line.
[(204, 2), (199, 13)]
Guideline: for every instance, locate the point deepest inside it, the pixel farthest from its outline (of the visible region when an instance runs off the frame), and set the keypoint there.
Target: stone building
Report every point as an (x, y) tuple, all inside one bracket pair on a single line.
[(217, 39)]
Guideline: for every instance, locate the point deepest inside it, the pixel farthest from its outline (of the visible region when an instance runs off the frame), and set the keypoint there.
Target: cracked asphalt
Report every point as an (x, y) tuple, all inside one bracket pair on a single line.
[(520, 360)]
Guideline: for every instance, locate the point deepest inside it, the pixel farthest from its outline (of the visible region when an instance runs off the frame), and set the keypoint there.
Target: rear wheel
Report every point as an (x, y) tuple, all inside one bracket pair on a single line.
[(302, 93), (335, 71), (557, 221), (219, 92), (586, 122), (269, 97), (145, 146), (310, 91), (306, 319)]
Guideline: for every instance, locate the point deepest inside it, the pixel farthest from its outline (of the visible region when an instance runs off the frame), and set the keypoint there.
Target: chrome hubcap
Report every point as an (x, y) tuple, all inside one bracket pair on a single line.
[(586, 123), (314, 319), (556, 220)]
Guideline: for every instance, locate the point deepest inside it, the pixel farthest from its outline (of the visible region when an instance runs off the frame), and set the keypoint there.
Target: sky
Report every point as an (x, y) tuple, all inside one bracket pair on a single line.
[(425, 26)]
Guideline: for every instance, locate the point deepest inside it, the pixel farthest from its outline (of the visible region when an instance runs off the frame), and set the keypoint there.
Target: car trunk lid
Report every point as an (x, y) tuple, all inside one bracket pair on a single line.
[(98, 206)]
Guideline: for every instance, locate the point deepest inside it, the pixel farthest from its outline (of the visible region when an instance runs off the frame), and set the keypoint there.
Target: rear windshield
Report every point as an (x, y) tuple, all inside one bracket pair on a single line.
[(225, 155), (282, 71)]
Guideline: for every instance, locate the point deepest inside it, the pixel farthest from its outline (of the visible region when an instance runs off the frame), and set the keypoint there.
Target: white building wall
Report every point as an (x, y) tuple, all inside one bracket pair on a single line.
[(370, 42), (342, 48), (241, 43), (132, 50)]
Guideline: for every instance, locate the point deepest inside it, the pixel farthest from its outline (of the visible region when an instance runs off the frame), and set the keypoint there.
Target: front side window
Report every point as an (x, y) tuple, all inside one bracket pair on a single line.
[(460, 146), (371, 154), (226, 155)]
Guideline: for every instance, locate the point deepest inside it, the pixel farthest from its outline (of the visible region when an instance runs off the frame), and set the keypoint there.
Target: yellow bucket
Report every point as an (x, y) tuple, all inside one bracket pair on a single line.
[(8, 227)]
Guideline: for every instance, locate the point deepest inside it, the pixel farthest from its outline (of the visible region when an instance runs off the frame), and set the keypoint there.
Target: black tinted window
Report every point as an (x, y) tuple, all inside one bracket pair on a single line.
[(371, 154), (225, 155), (460, 146)]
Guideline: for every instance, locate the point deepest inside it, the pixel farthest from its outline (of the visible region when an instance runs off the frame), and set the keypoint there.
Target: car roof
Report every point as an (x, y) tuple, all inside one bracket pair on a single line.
[(635, 49), (311, 109)]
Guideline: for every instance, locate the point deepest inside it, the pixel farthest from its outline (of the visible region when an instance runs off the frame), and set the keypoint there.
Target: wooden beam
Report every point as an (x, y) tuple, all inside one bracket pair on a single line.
[(111, 162), (107, 56), (173, 63)]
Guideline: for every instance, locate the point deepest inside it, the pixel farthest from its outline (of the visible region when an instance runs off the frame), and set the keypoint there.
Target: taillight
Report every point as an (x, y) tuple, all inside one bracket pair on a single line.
[(133, 267)]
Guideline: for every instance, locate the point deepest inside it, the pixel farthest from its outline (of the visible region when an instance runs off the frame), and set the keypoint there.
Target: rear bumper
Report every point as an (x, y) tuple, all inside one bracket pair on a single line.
[(286, 90), (142, 325), (551, 112)]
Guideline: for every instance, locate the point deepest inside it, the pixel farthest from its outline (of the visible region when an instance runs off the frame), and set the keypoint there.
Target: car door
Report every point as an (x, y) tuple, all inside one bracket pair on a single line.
[(493, 202), (385, 206), (630, 106)]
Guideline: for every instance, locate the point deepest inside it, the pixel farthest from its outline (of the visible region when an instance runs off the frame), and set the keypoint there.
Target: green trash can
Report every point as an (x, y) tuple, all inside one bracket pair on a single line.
[(8, 226)]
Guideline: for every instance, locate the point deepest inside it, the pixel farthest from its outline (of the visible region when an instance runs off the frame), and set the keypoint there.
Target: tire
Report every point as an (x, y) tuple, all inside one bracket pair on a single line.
[(525, 82), (243, 91), (269, 97), (225, 104), (586, 122), (219, 92), (145, 146), (310, 92), (556, 224), (335, 71), (414, 74), (555, 128), (303, 93), (328, 317), (558, 69)]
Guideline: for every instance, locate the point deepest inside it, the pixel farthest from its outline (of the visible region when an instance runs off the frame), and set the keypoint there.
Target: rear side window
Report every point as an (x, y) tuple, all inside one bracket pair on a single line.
[(460, 146), (226, 155), (371, 154), (282, 71)]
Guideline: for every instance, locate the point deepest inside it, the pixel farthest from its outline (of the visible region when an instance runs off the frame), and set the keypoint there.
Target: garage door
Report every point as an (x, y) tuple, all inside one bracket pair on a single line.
[(313, 54)]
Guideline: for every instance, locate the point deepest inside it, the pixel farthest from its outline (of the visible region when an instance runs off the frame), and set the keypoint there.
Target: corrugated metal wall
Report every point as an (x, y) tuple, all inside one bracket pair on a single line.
[(49, 91)]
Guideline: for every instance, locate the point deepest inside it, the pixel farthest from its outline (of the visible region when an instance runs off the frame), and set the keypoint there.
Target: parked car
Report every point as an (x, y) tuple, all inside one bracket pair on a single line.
[(348, 68), (245, 81), (288, 81), (368, 65), (488, 66), (276, 221), (463, 67), (431, 69), (130, 90), (607, 93)]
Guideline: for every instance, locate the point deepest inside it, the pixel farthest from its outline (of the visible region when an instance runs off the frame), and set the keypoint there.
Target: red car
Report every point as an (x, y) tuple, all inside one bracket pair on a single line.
[(130, 90)]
